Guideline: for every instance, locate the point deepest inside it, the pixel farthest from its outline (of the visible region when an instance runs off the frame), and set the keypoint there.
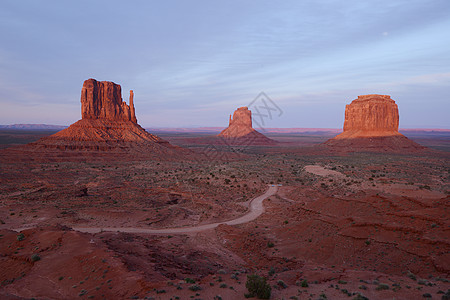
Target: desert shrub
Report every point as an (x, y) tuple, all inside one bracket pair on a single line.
[(35, 257), (270, 244), (195, 288), (304, 283), (257, 286), (282, 284), (189, 280), (382, 286), (424, 282), (20, 237), (360, 297)]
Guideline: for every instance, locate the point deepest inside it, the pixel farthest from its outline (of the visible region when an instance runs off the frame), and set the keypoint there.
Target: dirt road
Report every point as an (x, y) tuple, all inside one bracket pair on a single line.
[(255, 210)]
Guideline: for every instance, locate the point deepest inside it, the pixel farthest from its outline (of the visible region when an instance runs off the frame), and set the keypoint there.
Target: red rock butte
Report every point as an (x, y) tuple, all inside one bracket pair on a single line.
[(107, 123), (103, 100), (371, 123), (240, 130)]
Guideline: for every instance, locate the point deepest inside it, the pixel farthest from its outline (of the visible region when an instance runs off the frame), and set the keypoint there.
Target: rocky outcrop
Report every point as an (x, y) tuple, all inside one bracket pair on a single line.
[(241, 132), (107, 123), (240, 125), (371, 124), (372, 113), (103, 100)]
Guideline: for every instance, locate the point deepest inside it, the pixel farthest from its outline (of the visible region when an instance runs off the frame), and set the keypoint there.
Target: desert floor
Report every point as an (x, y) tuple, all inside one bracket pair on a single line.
[(333, 226)]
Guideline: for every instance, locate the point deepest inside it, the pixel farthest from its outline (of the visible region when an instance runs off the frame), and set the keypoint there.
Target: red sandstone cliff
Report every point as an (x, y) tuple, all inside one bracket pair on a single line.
[(240, 130), (371, 123), (107, 123), (103, 100)]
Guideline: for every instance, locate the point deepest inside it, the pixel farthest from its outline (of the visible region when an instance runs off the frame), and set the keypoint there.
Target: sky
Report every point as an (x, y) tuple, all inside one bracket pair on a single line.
[(192, 63)]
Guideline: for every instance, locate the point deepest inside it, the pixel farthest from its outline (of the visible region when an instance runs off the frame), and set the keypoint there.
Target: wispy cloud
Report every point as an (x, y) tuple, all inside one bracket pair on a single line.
[(207, 58)]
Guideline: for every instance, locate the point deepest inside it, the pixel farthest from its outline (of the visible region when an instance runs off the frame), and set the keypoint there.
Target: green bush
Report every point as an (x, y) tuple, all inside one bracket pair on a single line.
[(20, 237), (35, 257), (304, 283), (382, 286), (257, 286), (195, 288)]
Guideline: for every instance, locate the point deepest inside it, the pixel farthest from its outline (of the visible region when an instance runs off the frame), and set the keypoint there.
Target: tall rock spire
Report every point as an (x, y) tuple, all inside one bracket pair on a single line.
[(132, 111)]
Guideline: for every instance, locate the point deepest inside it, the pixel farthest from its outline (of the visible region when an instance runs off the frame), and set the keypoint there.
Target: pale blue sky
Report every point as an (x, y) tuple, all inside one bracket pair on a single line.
[(192, 63)]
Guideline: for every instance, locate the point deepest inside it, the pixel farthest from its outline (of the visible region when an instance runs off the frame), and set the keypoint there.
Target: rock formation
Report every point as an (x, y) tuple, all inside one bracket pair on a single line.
[(107, 123), (240, 130), (371, 123), (103, 100)]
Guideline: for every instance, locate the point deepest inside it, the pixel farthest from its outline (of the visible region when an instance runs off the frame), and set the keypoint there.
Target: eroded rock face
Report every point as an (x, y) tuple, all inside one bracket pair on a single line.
[(371, 113), (371, 124), (240, 124), (103, 100), (107, 123), (241, 132)]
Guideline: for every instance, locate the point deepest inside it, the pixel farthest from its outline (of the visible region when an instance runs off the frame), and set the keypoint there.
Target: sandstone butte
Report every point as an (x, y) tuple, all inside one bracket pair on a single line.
[(107, 123), (241, 132), (371, 123)]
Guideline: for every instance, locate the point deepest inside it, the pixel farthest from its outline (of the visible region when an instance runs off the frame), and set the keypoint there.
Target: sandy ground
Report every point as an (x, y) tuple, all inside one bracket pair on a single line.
[(321, 171), (255, 210), (375, 225)]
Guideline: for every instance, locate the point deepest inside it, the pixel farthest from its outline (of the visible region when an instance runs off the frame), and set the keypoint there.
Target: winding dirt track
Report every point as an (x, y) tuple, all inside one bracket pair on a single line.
[(255, 210)]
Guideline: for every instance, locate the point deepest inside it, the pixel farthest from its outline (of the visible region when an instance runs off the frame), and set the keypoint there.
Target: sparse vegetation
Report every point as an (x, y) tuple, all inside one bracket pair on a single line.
[(35, 257), (304, 283), (382, 286), (258, 287)]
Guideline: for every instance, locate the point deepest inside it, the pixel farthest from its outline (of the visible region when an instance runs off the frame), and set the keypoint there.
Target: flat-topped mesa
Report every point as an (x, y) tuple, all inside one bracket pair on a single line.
[(371, 115), (371, 124), (103, 100)]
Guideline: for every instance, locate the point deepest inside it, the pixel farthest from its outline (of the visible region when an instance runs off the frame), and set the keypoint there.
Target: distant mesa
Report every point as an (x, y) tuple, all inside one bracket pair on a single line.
[(33, 127), (240, 130), (371, 124), (107, 123)]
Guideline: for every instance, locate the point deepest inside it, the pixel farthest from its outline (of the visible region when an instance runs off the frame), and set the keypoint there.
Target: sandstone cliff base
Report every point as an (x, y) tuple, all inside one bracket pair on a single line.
[(394, 143), (371, 124)]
